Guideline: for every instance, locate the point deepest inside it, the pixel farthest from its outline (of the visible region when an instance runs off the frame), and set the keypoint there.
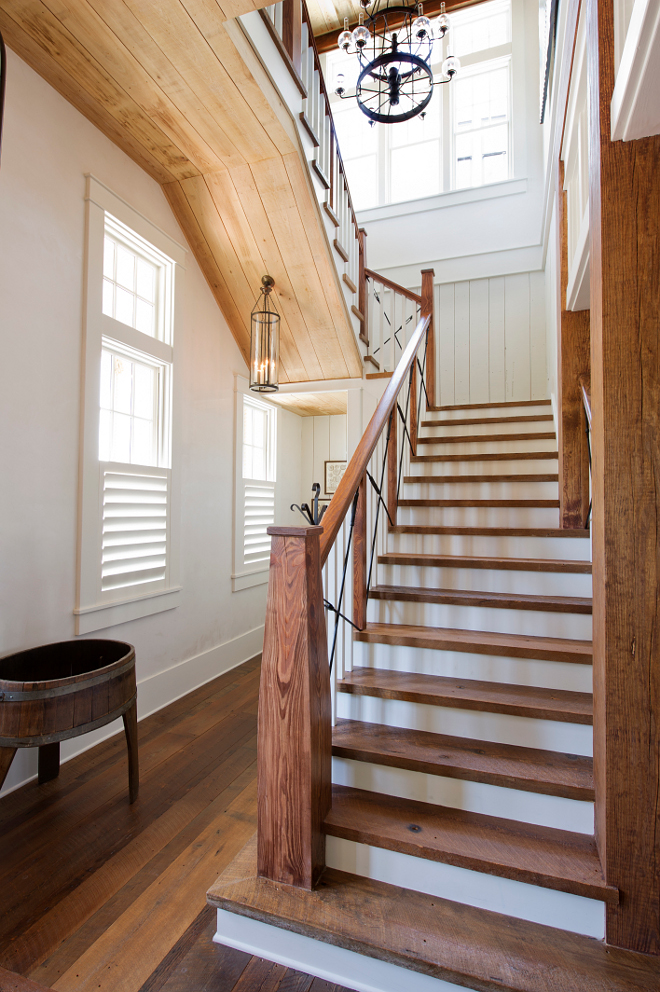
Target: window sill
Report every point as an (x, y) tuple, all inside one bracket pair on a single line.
[(246, 580), (89, 618), (454, 198)]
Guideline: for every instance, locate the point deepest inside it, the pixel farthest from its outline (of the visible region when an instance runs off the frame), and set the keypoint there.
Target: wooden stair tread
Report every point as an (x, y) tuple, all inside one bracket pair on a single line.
[(494, 600), (453, 479), (483, 503), (479, 642), (506, 765), (488, 456), (513, 564), (526, 852), (469, 438), (489, 406), (444, 939), (490, 531), (522, 419), (471, 694)]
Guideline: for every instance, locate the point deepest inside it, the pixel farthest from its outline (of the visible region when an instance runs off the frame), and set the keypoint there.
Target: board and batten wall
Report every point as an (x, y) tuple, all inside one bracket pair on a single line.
[(323, 439), (491, 339)]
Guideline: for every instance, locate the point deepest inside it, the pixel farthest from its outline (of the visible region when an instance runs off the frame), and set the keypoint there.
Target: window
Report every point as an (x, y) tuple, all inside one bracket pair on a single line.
[(128, 552), (256, 451), (463, 141)]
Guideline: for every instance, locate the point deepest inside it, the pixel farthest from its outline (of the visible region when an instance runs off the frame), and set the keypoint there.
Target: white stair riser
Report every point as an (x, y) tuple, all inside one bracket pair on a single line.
[(551, 735), (486, 580), (487, 447), (532, 622), (502, 895), (483, 667), (492, 412), (479, 490), (491, 546), (494, 427), (477, 797), (490, 466), (478, 516)]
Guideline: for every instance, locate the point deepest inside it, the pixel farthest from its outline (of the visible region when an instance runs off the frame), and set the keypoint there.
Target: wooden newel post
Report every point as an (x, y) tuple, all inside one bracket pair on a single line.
[(427, 311), (294, 744)]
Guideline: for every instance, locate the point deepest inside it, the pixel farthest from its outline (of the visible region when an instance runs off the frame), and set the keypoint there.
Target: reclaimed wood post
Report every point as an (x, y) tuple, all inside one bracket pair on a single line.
[(292, 31), (573, 360), (360, 558), (294, 742), (412, 409), (427, 310), (363, 302), (392, 465)]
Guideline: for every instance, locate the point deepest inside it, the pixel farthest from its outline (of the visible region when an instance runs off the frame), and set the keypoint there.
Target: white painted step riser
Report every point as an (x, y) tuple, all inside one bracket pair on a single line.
[(493, 412), (486, 580), (483, 667), (492, 546), (571, 738), (495, 427), (502, 895), (478, 447), (478, 797), (479, 490), (532, 622), (478, 516), (490, 466)]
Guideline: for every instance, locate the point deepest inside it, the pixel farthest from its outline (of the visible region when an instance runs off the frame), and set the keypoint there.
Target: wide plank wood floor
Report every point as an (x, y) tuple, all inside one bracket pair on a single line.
[(99, 895)]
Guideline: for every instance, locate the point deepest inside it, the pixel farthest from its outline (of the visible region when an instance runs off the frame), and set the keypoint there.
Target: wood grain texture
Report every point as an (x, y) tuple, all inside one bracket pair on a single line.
[(490, 457), (456, 561), (624, 211), (488, 600), (526, 852), (393, 466), (491, 406), (294, 713), (470, 694), (484, 503), (446, 940), (468, 421), (360, 540), (427, 309), (493, 531), (460, 479), (504, 765), (469, 438)]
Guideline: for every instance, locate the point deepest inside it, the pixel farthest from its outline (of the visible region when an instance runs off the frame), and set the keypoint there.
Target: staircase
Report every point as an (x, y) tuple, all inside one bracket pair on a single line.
[(460, 840)]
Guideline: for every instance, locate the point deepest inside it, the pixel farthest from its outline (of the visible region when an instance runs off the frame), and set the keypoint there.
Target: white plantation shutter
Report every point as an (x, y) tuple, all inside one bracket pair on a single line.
[(135, 528), (258, 515)]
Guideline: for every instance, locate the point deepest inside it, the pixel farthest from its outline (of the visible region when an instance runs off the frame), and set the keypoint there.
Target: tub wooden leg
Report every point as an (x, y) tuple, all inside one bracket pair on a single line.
[(130, 727), (49, 762), (6, 758)]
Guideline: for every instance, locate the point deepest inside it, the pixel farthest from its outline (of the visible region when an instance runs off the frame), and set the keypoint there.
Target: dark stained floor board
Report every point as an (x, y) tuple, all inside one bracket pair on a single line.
[(484, 504), (492, 531), (504, 765), (556, 859), (494, 600), (490, 406), (468, 421), (11, 982), (488, 457), (471, 694), (514, 564), (443, 480), (476, 438), (457, 943), (479, 642)]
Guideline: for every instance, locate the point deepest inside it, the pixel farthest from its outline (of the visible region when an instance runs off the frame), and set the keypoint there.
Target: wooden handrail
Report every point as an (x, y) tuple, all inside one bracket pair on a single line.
[(401, 290), (343, 497), (585, 389)]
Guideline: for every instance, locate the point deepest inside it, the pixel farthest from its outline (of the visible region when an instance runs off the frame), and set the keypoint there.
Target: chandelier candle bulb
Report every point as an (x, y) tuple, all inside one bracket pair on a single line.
[(346, 37), (442, 23)]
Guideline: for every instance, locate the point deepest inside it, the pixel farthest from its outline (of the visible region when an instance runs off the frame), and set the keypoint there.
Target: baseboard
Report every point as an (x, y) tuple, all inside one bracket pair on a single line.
[(154, 693), (333, 964)]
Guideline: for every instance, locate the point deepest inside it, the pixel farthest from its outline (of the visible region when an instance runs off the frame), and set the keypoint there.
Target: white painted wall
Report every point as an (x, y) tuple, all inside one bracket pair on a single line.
[(323, 439), (47, 148)]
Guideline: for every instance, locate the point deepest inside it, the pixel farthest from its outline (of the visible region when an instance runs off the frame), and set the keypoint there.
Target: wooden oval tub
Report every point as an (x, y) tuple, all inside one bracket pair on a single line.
[(57, 691)]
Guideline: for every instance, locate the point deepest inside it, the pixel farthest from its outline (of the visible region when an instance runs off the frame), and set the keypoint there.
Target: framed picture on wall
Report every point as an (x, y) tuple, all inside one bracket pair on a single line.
[(333, 474)]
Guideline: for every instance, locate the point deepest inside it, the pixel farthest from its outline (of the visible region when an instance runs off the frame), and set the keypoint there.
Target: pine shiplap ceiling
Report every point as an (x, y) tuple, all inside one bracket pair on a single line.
[(178, 87)]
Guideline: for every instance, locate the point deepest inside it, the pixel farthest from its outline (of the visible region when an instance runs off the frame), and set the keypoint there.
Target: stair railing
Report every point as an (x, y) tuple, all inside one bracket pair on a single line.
[(585, 392), (310, 569)]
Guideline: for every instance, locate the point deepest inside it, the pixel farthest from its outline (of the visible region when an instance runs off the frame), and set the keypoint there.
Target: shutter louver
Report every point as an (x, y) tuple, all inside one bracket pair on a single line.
[(258, 514), (135, 530)]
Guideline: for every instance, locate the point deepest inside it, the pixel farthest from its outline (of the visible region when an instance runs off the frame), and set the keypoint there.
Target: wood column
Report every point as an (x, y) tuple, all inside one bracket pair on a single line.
[(625, 394), (292, 31), (363, 301), (360, 558), (573, 360), (412, 409), (393, 464), (427, 310), (294, 735)]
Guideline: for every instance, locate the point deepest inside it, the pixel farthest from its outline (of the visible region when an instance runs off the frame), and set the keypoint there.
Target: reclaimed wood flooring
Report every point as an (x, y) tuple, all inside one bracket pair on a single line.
[(100, 895)]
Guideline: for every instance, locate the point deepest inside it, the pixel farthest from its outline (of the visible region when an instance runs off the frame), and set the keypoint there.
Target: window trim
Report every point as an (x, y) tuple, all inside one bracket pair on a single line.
[(92, 611)]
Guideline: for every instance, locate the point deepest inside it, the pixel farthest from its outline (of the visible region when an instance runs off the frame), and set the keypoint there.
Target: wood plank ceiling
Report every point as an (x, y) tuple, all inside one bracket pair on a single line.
[(178, 87)]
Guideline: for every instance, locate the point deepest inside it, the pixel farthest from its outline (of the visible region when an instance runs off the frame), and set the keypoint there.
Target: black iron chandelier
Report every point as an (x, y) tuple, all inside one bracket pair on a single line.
[(394, 46)]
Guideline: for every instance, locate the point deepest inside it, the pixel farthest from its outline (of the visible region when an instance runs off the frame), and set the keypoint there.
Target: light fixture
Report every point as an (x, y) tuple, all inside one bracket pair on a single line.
[(265, 341), (394, 48)]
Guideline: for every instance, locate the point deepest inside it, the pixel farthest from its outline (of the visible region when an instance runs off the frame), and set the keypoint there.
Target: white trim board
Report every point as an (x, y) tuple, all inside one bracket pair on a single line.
[(326, 961), (635, 107), (154, 692)]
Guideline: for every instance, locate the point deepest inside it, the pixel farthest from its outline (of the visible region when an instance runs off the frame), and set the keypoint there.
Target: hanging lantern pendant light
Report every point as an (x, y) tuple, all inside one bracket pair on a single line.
[(265, 341)]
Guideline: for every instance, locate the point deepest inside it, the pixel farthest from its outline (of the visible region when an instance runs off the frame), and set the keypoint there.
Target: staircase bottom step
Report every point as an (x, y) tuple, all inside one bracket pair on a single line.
[(445, 940)]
